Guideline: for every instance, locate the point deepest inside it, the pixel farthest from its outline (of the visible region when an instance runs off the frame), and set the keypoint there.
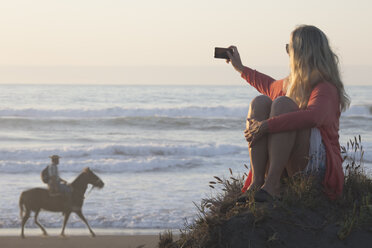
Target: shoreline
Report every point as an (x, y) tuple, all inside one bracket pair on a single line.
[(36, 232), (80, 238), (107, 241)]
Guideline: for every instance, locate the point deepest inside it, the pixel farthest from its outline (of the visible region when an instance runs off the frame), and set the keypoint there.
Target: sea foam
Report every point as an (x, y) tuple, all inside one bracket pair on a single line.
[(200, 111), (112, 158)]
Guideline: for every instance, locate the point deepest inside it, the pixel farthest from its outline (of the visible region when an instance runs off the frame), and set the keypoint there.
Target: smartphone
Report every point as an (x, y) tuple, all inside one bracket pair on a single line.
[(221, 53)]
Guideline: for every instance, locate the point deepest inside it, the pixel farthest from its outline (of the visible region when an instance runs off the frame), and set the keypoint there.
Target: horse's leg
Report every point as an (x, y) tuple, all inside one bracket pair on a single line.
[(37, 223), (67, 214), (80, 214), (24, 220)]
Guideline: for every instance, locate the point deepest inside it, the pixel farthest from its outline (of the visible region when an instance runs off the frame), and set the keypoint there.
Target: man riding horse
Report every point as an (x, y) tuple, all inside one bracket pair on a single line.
[(37, 199), (57, 186)]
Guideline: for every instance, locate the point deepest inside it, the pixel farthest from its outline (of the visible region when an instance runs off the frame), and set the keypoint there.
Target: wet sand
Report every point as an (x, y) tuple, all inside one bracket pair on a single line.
[(106, 241)]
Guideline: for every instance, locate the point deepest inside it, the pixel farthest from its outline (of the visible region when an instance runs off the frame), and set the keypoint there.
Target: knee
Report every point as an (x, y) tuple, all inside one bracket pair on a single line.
[(260, 101), (282, 105), (260, 107)]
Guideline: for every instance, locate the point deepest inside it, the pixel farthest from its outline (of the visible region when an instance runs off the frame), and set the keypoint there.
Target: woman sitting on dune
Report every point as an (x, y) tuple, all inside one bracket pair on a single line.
[(294, 125)]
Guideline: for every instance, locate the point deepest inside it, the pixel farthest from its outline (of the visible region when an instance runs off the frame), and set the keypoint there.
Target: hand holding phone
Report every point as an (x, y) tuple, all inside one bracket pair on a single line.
[(221, 53)]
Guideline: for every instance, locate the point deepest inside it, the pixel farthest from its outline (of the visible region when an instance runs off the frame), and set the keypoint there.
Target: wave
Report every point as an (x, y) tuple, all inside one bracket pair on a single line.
[(125, 158), (207, 150), (195, 111), (114, 158), (103, 165), (359, 111), (71, 116), (198, 123)]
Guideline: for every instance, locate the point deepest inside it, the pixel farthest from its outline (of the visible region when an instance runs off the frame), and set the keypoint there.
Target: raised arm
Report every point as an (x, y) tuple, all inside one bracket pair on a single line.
[(258, 80)]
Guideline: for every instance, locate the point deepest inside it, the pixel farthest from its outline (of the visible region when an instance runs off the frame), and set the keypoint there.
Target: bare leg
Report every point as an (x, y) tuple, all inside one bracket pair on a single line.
[(259, 109), (67, 215), (80, 214), (37, 223), (24, 220), (282, 148), (300, 153)]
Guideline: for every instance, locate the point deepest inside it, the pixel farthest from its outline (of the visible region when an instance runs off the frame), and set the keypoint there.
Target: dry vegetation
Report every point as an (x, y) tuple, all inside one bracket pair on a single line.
[(304, 217)]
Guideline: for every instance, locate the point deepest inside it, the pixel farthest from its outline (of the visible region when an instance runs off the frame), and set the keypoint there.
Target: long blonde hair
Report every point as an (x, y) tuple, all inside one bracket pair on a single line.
[(312, 61)]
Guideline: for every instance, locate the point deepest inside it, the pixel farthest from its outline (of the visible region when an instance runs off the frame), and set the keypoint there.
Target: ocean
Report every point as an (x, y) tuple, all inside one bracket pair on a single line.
[(155, 147)]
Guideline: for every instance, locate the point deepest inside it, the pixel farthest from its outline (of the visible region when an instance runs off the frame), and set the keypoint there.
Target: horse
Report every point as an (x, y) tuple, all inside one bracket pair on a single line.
[(37, 199)]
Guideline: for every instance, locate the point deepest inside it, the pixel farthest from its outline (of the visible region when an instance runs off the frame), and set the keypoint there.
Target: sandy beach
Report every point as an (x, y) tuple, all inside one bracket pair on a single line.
[(106, 241)]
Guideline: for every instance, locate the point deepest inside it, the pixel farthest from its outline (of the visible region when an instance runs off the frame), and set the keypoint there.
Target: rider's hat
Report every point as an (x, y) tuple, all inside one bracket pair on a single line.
[(54, 157)]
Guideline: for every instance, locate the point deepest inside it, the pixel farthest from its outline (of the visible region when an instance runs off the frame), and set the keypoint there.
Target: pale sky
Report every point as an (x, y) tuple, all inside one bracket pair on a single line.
[(55, 36)]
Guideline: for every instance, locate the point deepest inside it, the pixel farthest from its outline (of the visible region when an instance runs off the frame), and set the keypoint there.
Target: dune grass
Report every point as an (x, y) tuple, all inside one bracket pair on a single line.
[(303, 206)]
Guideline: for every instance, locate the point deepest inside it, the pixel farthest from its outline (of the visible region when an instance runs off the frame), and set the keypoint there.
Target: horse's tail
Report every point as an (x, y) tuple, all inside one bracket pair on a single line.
[(21, 205)]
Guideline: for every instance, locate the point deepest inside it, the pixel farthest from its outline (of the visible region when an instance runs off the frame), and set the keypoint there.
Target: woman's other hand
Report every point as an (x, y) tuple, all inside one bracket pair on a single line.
[(256, 129), (235, 59)]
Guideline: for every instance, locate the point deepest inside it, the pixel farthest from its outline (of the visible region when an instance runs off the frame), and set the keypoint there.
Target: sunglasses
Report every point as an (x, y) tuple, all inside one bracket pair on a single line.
[(287, 48)]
